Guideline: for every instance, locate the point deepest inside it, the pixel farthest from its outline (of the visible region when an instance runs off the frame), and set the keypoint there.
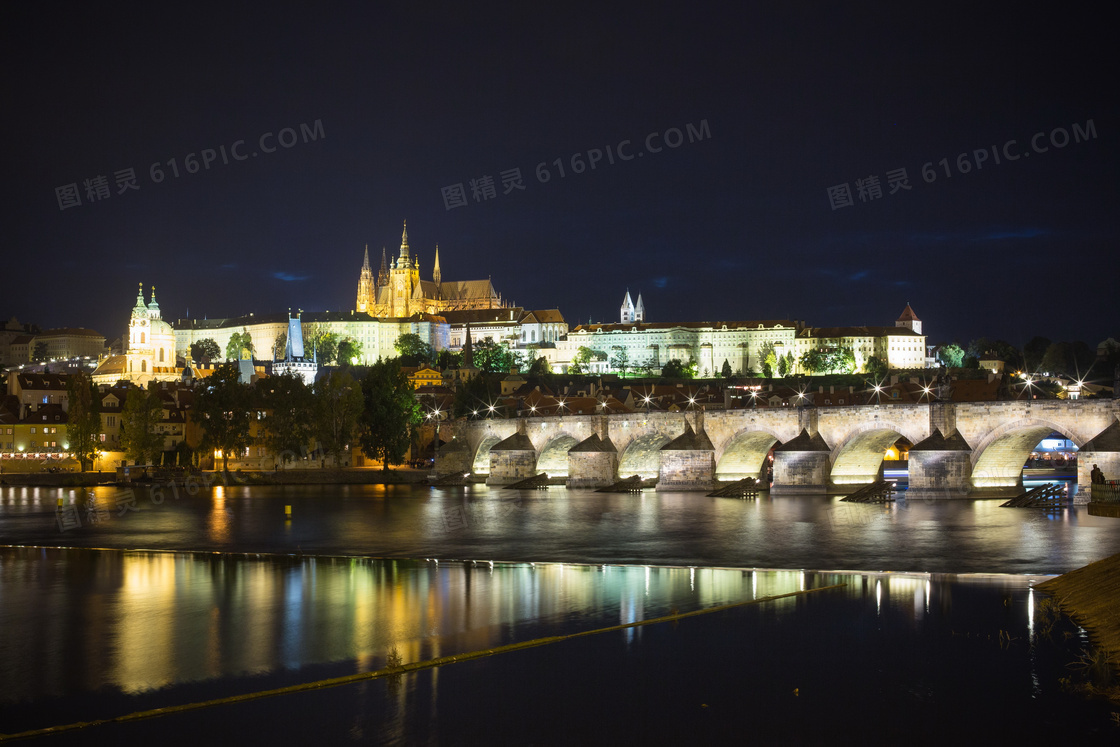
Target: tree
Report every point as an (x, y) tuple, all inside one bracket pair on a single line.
[(349, 350), (494, 357), (1033, 352), (877, 367), (412, 348), (1073, 359), (621, 360), (287, 403), (449, 359), (280, 346), (726, 371), (206, 350), (813, 361), (540, 367), (140, 419), (474, 395), (83, 425), (40, 350), (784, 364), (222, 407), (581, 361), (338, 406), (677, 369), (322, 344), (389, 413), (951, 355), (239, 342), (769, 357), (983, 347)]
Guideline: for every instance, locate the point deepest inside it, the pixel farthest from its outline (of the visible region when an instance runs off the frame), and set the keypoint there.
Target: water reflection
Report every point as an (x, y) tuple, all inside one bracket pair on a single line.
[(78, 620), (681, 529)]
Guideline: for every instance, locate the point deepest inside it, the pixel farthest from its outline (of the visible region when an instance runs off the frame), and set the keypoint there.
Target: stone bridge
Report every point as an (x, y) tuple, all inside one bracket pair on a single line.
[(959, 448)]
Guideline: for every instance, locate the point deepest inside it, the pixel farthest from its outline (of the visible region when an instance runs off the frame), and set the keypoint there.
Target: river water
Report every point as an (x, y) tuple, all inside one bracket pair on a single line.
[(142, 600)]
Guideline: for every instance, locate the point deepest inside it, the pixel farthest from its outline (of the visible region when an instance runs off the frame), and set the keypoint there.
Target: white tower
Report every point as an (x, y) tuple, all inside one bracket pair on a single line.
[(627, 312)]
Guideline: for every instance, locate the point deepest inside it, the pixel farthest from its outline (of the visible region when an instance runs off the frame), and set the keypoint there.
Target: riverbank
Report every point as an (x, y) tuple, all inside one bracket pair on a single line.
[(1088, 595)]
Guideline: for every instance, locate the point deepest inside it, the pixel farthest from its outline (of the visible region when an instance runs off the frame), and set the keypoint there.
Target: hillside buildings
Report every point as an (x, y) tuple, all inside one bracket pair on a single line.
[(23, 343), (396, 301), (743, 345)]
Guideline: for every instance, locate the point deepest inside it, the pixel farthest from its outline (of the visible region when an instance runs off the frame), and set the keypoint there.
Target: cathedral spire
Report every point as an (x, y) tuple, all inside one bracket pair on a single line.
[(435, 268), (365, 262), (383, 274), (404, 245), (468, 349)]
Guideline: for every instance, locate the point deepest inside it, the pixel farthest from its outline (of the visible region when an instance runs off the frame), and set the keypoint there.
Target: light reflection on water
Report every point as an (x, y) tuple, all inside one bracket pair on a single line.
[(81, 620), (132, 630), (558, 525)]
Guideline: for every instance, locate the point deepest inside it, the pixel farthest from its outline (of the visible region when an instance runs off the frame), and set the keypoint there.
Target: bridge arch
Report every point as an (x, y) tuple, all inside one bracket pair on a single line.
[(481, 463), (744, 454), (642, 456), (858, 457), (997, 461), (553, 458)]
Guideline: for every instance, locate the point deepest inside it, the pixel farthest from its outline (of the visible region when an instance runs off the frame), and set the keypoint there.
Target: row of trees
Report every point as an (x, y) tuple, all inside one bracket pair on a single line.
[(1074, 359), (329, 348), (377, 412)]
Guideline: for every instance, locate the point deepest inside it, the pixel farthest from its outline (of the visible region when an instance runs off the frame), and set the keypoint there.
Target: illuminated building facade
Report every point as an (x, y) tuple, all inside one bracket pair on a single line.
[(398, 292), (150, 352)]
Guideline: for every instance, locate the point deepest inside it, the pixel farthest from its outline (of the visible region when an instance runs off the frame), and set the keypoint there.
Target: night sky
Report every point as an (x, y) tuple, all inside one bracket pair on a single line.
[(797, 98)]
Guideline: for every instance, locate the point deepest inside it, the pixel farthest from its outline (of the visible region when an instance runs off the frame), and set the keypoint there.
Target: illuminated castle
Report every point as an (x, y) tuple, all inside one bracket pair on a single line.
[(398, 292)]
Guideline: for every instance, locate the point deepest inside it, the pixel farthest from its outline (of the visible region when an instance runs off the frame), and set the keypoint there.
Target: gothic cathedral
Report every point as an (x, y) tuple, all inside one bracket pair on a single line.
[(398, 292)]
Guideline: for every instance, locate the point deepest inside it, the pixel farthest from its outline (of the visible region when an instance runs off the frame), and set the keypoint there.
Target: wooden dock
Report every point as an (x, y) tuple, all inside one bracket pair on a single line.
[(1050, 495), (454, 480), (877, 492), (536, 482), (747, 489), (632, 484)]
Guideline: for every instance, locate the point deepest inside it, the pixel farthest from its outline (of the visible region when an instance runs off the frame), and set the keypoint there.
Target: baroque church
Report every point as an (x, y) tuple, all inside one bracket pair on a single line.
[(397, 291), (150, 354)]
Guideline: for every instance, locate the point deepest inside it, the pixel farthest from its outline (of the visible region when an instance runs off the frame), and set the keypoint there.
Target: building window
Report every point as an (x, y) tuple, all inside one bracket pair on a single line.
[(32, 430), (141, 338), (143, 366), (161, 355)]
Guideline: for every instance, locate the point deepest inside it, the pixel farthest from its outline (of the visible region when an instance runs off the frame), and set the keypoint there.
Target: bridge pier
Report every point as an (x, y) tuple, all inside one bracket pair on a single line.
[(592, 463), (1102, 450), (512, 460), (688, 462), (802, 465), (940, 467), (454, 457)]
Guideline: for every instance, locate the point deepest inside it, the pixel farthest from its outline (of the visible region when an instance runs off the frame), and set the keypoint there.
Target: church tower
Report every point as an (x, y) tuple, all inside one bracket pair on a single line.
[(365, 286), (383, 273), (640, 310), (909, 320), (435, 268), (404, 279), (627, 311)]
